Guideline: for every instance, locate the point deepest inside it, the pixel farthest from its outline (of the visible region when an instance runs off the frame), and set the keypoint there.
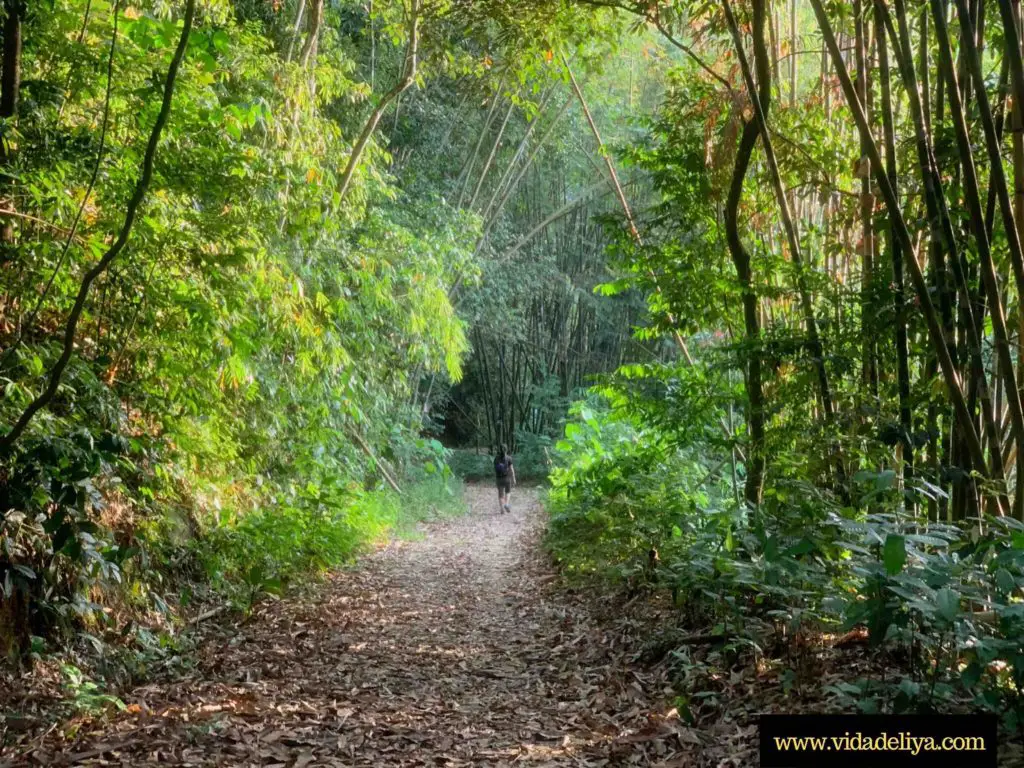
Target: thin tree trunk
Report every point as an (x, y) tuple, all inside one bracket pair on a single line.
[(949, 372), (380, 464), (977, 217), (299, 15), (1017, 125), (10, 79), (741, 261), (900, 310), (867, 205), (490, 158), (316, 13), (793, 57), (814, 338)]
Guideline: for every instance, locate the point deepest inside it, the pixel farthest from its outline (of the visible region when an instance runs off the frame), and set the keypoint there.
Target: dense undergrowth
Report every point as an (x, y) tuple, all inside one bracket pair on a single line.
[(636, 505), (137, 622)]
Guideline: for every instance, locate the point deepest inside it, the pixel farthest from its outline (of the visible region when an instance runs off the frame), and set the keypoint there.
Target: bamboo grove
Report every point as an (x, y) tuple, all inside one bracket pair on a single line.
[(258, 256), (746, 279), (924, 219), (824, 433)]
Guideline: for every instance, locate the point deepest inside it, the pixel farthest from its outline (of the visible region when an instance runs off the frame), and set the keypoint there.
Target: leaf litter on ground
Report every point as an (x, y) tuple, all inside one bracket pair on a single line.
[(463, 647), (457, 649)]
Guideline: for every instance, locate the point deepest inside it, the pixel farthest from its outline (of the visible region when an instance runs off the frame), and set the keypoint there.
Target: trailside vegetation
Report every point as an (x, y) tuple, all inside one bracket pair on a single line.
[(833, 226), (247, 250)]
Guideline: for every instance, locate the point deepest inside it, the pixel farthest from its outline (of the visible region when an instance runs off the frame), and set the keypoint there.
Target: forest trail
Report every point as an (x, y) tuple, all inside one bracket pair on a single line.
[(455, 649)]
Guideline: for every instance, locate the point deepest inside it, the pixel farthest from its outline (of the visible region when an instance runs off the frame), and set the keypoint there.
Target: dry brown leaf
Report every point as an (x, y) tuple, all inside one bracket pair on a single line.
[(460, 649)]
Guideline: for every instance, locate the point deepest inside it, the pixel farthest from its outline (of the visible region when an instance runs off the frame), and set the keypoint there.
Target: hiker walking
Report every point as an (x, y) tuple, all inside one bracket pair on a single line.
[(505, 477)]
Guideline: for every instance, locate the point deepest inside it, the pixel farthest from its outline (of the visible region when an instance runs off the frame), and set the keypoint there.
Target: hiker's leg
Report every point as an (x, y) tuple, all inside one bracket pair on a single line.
[(501, 498)]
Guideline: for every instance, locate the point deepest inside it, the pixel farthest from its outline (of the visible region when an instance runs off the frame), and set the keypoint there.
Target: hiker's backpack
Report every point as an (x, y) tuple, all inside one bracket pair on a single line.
[(501, 465)]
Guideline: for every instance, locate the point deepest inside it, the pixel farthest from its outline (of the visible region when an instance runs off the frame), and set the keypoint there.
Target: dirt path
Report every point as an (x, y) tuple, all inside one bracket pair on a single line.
[(457, 649)]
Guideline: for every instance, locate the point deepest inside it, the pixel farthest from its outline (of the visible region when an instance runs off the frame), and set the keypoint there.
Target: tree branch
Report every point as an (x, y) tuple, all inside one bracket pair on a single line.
[(408, 76)]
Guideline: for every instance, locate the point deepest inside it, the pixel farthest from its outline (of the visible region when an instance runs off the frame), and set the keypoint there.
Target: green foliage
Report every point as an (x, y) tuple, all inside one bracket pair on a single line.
[(622, 489), (243, 375), (266, 550), (532, 461), (471, 465), (87, 696), (843, 532), (945, 596)]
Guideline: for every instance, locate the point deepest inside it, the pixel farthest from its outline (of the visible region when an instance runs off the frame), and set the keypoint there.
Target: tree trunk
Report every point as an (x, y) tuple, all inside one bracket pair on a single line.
[(900, 310), (316, 13), (741, 261), (814, 338), (10, 75)]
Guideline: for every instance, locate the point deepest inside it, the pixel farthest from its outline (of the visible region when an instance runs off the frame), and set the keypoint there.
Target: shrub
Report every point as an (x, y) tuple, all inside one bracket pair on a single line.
[(945, 598)]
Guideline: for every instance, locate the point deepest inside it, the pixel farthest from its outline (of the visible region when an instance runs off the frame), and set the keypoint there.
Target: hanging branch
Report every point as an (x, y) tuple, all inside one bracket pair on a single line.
[(408, 76), (141, 187), (514, 184), (680, 342), (583, 198), (467, 170), (656, 21), (490, 158), (651, 13)]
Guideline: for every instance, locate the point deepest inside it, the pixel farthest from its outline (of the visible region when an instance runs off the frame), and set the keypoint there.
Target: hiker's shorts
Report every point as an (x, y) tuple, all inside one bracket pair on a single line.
[(504, 486)]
